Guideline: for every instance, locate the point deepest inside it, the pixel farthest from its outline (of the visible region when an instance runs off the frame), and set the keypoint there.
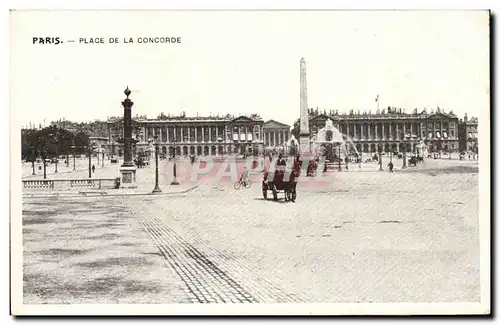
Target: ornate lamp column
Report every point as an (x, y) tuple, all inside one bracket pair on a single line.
[(128, 168)]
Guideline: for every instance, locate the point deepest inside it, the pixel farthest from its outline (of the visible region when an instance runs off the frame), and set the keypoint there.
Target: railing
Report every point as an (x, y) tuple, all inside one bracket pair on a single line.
[(68, 184), (43, 184)]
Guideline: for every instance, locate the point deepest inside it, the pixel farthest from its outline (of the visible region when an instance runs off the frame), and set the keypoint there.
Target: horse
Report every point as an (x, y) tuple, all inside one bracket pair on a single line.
[(291, 186)]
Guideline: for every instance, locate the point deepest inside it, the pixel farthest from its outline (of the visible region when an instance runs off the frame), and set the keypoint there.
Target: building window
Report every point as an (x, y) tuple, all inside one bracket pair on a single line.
[(256, 131), (452, 133)]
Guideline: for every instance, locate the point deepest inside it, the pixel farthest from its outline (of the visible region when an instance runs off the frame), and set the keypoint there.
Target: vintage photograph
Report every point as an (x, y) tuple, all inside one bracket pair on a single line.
[(250, 162)]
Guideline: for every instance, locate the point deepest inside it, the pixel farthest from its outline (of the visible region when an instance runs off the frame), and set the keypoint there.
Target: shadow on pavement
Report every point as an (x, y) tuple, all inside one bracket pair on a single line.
[(280, 200)]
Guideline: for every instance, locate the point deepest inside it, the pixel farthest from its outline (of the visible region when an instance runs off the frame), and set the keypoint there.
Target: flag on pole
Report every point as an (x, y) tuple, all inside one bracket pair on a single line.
[(376, 99)]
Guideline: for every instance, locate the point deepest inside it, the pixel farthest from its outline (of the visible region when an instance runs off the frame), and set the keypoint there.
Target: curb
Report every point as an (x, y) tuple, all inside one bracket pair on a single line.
[(25, 196)]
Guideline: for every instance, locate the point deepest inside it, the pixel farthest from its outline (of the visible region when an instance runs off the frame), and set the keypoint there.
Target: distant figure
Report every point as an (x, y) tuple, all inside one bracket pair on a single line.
[(281, 161), (93, 169), (391, 167), (346, 163)]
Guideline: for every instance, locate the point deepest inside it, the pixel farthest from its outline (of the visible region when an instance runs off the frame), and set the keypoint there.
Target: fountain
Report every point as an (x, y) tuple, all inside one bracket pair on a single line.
[(332, 144), (422, 149)]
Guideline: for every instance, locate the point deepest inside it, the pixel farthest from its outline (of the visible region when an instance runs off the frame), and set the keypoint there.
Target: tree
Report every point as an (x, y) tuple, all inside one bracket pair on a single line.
[(82, 142), (28, 145), (296, 129)]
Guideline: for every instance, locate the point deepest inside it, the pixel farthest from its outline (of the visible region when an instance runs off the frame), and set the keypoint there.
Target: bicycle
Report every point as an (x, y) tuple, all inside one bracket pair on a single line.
[(245, 184)]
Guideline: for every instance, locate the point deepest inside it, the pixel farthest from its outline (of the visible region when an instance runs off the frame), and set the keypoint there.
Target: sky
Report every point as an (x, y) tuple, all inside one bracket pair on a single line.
[(244, 62)]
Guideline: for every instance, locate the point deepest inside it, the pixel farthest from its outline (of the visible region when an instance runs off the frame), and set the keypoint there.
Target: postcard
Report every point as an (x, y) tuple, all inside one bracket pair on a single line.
[(250, 162)]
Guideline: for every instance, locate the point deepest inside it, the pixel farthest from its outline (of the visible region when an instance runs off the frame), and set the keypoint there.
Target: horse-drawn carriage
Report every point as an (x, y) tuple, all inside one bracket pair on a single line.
[(281, 180)]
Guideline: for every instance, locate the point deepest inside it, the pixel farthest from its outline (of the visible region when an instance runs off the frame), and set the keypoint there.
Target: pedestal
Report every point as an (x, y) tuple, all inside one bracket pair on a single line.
[(305, 144), (128, 177)]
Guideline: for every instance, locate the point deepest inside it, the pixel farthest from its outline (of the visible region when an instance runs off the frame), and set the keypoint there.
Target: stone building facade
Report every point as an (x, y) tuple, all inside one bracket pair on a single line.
[(468, 134), (392, 129), (275, 134), (199, 136)]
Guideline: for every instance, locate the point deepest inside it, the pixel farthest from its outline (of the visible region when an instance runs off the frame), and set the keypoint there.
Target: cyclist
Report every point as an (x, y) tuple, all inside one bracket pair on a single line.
[(244, 176)]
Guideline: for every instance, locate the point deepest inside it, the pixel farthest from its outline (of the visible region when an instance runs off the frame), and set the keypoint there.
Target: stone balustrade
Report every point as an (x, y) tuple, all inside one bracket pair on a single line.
[(68, 184)]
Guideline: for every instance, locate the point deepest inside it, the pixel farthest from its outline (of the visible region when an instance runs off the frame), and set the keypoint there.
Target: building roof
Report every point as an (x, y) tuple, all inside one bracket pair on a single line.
[(472, 120), (383, 114), (190, 119), (275, 124)]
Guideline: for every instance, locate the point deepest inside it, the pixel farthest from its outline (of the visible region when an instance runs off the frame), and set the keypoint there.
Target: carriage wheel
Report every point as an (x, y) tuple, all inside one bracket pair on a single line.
[(264, 194), (237, 185), (247, 184)]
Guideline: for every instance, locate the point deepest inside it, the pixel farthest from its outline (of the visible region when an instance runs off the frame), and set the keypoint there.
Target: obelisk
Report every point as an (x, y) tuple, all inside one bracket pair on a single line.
[(304, 138)]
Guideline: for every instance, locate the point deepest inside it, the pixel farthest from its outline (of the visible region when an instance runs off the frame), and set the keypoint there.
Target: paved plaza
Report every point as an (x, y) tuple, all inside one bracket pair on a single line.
[(363, 236)]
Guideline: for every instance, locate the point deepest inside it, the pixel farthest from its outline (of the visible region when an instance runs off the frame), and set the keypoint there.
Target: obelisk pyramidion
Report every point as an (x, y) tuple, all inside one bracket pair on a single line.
[(304, 139)]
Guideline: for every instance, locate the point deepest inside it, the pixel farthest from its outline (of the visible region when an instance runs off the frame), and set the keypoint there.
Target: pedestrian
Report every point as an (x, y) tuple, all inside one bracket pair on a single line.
[(93, 169), (391, 167), (281, 161)]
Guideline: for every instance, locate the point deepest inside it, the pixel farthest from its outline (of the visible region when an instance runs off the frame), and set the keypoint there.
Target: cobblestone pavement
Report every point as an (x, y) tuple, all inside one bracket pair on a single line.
[(212, 275), (367, 237), (364, 237)]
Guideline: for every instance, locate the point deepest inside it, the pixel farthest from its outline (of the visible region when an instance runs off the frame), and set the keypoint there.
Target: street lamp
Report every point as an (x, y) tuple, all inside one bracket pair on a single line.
[(44, 168), (404, 152), (91, 148), (53, 136), (174, 181), (74, 154), (380, 157), (340, 166), (33, 158), (157, 187)]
